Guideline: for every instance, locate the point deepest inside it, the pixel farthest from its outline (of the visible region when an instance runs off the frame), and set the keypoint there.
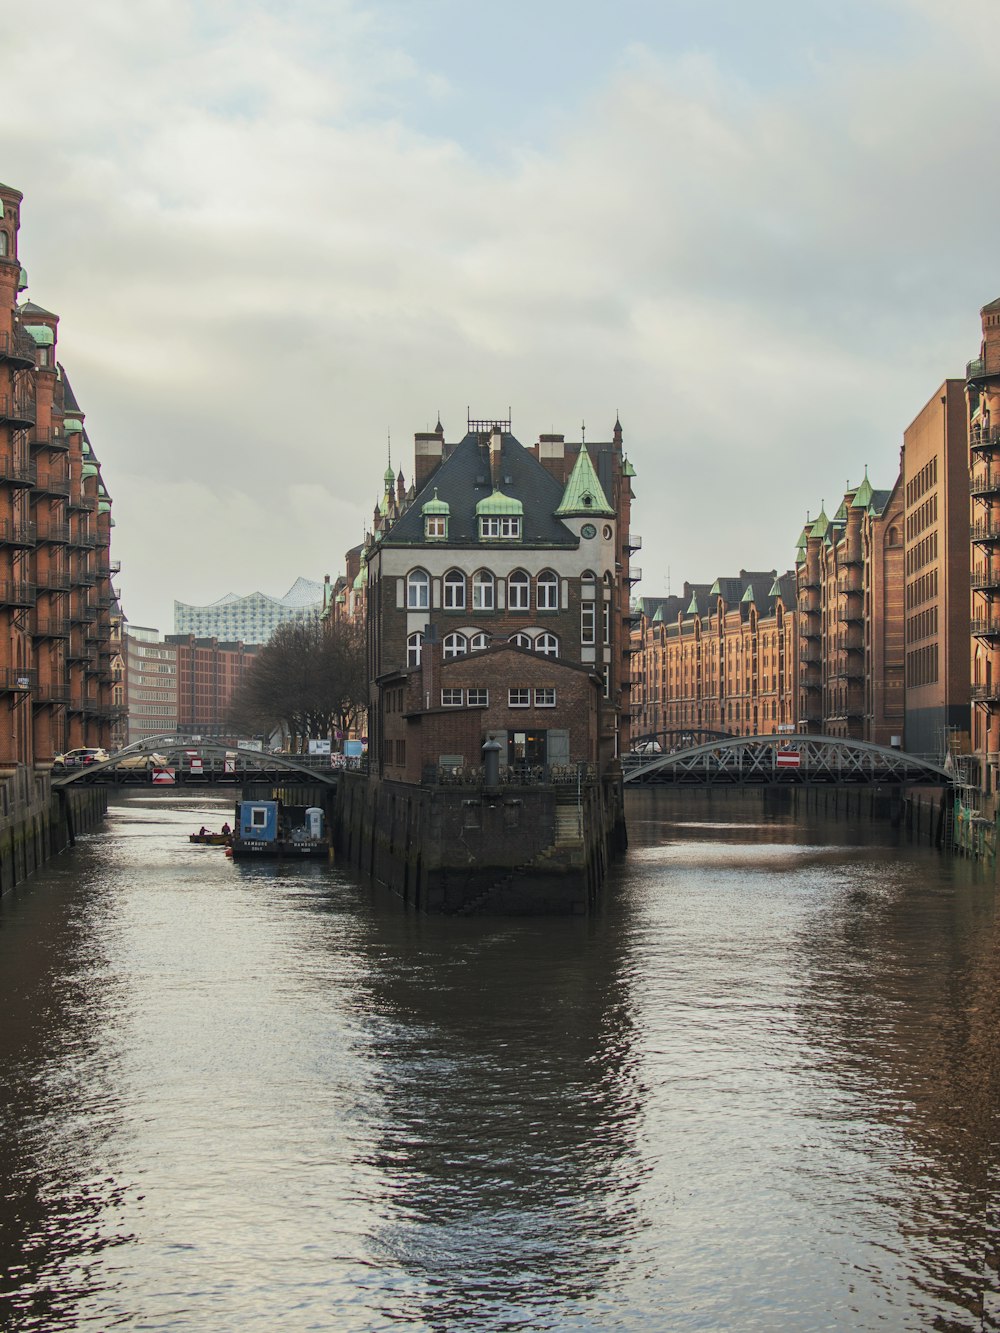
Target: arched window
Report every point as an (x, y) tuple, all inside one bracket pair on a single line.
[(478, 642), (521, 640), (413, 646), (4, 241), (483, 590), (547, 591), (418, 590), (454, 590), (455, 645), (518, 591), (547, 644)]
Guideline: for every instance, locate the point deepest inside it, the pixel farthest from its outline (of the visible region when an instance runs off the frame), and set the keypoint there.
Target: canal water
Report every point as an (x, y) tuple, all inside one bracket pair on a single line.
[(759, 1092)]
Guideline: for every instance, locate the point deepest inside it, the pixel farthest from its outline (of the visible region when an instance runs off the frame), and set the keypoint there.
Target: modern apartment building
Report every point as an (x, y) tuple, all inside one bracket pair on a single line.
[(56, 596), (721, 659), (937, 570), (151, 675)]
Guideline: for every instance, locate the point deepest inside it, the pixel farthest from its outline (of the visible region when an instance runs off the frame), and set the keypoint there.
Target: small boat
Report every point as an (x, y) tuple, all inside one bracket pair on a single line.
[(210, 839)]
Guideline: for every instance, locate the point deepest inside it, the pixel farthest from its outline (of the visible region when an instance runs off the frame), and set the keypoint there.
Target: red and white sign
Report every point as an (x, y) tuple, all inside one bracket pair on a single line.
[(163, 777), (788, 759), (197, 764)]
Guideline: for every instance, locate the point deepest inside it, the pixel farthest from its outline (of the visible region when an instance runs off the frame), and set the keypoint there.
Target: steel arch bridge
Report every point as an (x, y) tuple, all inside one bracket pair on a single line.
[(803, 761), (254, 765)]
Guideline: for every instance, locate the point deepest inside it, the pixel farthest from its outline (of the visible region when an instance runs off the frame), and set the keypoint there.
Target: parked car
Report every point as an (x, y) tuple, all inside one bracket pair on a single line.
[(80, 757), (144, 761)]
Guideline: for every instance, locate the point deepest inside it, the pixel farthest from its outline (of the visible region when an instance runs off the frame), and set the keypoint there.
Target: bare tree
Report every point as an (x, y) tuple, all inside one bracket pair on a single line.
[(310, 679)]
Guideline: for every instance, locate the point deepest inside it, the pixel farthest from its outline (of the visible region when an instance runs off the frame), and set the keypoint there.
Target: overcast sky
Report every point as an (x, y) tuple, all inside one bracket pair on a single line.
[(278, 234)]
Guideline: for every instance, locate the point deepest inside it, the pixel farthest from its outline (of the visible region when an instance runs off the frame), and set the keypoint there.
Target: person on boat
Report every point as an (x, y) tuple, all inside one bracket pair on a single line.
[(226, 830), (202, 831)]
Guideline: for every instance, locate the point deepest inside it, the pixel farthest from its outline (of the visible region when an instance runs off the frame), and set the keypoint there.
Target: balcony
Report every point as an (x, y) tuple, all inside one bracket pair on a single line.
[(85, 578), (986, 694), (52, 692), (52, 580), (56, 533), (53, 482), (83, 615), (47, 628), (634, 574), (985, 629), (18, 410), (981, 438), (83, 503), (17, 534), (44, 437), (17, 470), (976, 370), (16, 594), (85, 539), (632, 542), (985, 483), (14, 681), (986, 580), (77, 652), (986, 532), (850, 615), (17, 348)]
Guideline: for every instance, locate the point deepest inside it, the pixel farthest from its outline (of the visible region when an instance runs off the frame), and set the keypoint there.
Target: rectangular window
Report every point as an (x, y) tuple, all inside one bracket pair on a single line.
[(588, 622), (478, 698), (436, 525), (605, 622), (505, 528), (545, 697), (452, 698), (519, 698)]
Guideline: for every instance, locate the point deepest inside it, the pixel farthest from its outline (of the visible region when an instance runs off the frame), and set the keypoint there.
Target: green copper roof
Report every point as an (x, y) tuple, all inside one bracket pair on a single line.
[(658, 615), (821, 526), (841, 513), (42, 334), (748, 595), (627, 469), (863, 495), (72, 424), (435, 506), (583, 493), (341, 598), (89, 470), (104, 506), (715, 590), (693, 608), (775, 588), (22, 280), (498, 503)]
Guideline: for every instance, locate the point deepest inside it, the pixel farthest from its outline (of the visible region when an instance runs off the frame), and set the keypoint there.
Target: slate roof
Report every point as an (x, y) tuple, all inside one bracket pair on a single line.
[(29, 308), (463, 479), (70, 404)]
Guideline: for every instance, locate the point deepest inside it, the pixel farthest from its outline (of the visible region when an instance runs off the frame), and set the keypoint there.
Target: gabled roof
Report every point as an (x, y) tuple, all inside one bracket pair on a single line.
[(821, 525), (584, 493), (863, 495), (69, 397), (463, 480), (29, 308)]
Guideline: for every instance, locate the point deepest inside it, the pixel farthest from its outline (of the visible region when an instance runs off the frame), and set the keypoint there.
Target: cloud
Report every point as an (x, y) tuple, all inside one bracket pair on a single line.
[(265, 261)]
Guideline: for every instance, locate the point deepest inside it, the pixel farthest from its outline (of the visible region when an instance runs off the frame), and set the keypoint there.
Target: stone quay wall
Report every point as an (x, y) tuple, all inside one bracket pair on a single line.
[(470, 850), (36, 821)]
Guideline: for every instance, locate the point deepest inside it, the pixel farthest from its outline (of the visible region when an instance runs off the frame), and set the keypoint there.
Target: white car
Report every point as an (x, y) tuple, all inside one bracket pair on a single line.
[(143, 761), (81, 757)]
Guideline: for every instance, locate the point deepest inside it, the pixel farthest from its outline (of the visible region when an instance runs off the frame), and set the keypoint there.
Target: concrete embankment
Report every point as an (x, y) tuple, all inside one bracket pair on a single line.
[(36, 821)]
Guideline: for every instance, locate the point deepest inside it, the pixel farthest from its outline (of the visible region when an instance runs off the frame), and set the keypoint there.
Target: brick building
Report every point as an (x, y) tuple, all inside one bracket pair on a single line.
[(208, 675), (983, 397), (151, 683), (936, 499), (56, 596), (849, 571), (499, 543), (720, 658)]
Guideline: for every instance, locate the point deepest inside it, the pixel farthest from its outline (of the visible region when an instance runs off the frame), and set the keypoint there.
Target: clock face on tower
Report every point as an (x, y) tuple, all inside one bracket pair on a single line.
[(588, 530)]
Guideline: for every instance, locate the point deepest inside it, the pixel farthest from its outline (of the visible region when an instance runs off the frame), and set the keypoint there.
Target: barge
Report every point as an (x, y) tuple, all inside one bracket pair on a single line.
[(274, 829)]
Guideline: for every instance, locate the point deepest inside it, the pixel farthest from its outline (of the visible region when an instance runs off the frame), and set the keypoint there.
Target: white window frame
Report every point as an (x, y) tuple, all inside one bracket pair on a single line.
[(435, 526), (545, 696), (479, 642), (518, 697), (547, 644), (588, 622), (501, 527), (522, 640), (414, 648), (477, 697), (547, 591), (454, 645), (454, 590), (452, 698), (483, 582), (519, 591), (418, 590)]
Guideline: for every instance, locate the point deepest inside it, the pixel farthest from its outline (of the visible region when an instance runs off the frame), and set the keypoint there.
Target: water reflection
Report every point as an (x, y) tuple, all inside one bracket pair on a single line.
[(758, 1092)]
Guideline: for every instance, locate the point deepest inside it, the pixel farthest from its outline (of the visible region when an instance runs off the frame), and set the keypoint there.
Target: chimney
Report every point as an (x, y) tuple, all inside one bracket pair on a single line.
[(428, 451), (496, 458)]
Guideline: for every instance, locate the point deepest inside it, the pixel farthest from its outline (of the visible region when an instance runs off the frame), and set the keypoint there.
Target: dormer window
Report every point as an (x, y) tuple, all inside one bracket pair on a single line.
[(435, 525), (436, 513), (501, 527)]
